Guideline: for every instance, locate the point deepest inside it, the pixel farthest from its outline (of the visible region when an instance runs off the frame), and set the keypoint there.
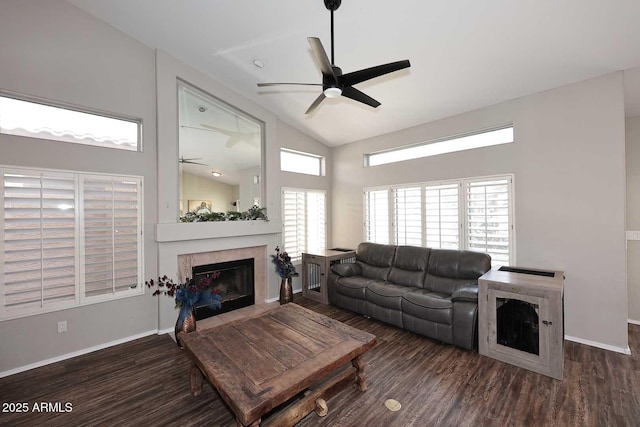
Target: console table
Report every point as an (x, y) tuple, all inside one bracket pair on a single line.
[(315, 271), (520, 318)]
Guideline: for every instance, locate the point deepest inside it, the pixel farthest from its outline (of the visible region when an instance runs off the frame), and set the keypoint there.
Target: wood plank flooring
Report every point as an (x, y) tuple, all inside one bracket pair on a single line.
[(146, 382)]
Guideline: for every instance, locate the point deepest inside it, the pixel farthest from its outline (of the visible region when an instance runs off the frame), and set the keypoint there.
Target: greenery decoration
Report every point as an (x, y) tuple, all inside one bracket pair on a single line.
[(254, 213)]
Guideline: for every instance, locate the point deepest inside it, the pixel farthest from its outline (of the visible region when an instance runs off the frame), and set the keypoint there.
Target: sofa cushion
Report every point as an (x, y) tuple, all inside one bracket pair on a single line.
[(409, 266), (449, 270), (427, 305), (386, 294), (375, 260), (353, 286)]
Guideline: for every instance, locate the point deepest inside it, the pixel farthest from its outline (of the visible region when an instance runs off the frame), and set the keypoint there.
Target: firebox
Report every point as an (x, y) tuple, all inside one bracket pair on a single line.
[(235, 284)]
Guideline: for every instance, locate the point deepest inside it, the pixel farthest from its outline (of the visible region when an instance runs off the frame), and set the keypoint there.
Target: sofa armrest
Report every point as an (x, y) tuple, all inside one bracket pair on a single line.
[(347, 269), (465, 294)]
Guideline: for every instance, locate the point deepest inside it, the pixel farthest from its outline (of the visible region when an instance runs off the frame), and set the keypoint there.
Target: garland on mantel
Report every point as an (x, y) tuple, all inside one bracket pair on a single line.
[(254, 213)]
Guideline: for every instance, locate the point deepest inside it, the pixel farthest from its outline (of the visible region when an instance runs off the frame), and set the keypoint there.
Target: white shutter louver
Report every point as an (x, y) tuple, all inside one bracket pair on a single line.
[(408, 216), (488, 223), (376, 216), (39, 241), (442, 216), (111, 231)]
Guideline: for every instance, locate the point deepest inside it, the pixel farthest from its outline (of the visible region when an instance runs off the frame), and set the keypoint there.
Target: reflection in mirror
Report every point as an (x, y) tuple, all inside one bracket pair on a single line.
[(219, 155)]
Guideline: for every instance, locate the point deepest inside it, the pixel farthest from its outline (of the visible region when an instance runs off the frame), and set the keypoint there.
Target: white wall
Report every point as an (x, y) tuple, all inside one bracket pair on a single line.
[(50, 49), (633, 215), (568, 159)]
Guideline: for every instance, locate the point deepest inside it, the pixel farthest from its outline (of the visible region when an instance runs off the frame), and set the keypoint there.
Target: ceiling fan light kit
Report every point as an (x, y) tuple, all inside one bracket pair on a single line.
[(334, 83)]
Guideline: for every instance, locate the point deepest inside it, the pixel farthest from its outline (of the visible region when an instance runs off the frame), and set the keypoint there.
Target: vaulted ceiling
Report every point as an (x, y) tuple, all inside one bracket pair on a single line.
[(465, 54)]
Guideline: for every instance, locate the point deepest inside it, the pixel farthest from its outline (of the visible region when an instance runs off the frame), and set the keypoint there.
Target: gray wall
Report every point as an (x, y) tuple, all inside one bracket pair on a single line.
[(52, 50), (633, 216), (568, 159)]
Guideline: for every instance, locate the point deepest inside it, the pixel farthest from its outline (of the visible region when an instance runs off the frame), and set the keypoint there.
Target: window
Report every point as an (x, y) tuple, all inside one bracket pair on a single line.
[(38, 120), (473, 214), (448, 145), (67, 239), (299, 162), (304, 222)]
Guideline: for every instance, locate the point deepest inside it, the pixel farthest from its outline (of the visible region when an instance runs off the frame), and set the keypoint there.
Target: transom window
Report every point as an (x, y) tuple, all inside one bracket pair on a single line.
[(300, 162), (24, 117), (472, 214), (442, 146), (67, 239)]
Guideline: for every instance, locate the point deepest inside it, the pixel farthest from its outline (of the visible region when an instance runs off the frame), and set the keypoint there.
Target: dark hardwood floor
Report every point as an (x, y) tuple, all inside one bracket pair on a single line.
[(146, 382)]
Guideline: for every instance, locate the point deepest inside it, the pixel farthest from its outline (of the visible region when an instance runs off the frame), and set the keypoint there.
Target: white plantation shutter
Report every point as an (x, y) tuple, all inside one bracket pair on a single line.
[(39, 230), (376, 216), (67, 239), (294, 220), (488, 218), (442, 216), (111, 230), (304, 223), (316, 222), (408, 216)]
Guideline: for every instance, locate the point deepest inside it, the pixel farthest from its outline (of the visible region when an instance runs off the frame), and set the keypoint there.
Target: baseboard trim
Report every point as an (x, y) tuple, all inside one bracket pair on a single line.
[(76, 353), (599, 345), (165, 331), (633, 322)]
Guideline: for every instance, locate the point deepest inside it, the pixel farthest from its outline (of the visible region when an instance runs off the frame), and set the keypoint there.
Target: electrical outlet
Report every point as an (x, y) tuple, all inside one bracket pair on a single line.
[(62, 326)]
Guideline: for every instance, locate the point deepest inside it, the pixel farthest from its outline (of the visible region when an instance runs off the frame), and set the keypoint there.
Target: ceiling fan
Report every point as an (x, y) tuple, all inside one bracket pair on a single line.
[(334, 83), (191, 161)]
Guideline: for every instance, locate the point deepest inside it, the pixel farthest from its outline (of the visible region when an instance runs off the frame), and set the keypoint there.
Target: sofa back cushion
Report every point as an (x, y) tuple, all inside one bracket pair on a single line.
[(410, 266), (375, 260), (449, 270)]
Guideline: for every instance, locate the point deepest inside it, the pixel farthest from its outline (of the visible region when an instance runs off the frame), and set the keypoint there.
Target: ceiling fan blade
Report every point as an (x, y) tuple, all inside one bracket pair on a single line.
[(356, 95), (315, 104), (321, 56), (294, 84), (356, 77), (222, 131)]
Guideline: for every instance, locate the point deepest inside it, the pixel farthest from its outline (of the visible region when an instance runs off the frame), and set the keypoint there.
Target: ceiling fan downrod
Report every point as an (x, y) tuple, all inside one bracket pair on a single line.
[(332, 5)]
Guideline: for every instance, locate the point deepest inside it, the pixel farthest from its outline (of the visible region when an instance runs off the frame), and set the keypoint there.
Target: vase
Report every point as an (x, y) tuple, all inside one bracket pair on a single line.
[(286, 291), (186, 321)]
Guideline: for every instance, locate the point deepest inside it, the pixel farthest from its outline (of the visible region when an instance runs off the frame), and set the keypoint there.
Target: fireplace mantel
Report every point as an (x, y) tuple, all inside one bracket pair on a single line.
[(178, 232)]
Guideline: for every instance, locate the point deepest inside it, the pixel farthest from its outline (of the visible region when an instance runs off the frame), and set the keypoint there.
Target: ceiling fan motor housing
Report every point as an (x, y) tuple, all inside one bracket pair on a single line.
[(332, 4), (328, 81)]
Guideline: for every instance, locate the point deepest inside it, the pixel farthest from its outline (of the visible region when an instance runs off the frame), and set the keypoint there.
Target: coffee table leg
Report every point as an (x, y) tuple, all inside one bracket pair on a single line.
[(195, 378), (361, 379)]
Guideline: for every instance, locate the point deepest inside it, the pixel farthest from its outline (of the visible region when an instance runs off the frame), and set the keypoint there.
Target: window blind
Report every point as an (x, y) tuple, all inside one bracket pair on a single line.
[(67, 239), (304, 223), (442, 217), (488, 218), (376, 216), (408, 216), (39, 228), (110, 234)]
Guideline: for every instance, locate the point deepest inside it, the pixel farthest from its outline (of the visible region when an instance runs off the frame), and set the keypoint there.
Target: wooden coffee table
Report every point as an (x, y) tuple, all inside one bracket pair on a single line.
[(287, 356)]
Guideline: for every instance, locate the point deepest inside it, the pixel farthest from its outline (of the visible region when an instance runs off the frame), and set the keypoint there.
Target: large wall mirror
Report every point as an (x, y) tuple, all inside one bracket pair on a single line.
[(220, 151)]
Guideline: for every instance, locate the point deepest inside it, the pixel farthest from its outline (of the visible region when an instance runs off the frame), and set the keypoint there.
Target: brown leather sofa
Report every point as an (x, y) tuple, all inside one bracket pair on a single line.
[(432, 292)]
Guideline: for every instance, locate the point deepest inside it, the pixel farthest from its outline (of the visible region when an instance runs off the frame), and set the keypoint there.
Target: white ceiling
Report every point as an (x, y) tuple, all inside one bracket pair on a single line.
[(465, 54)]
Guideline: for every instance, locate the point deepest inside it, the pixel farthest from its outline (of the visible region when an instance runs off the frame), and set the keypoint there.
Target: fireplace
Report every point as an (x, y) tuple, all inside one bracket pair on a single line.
[(235, 285)]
